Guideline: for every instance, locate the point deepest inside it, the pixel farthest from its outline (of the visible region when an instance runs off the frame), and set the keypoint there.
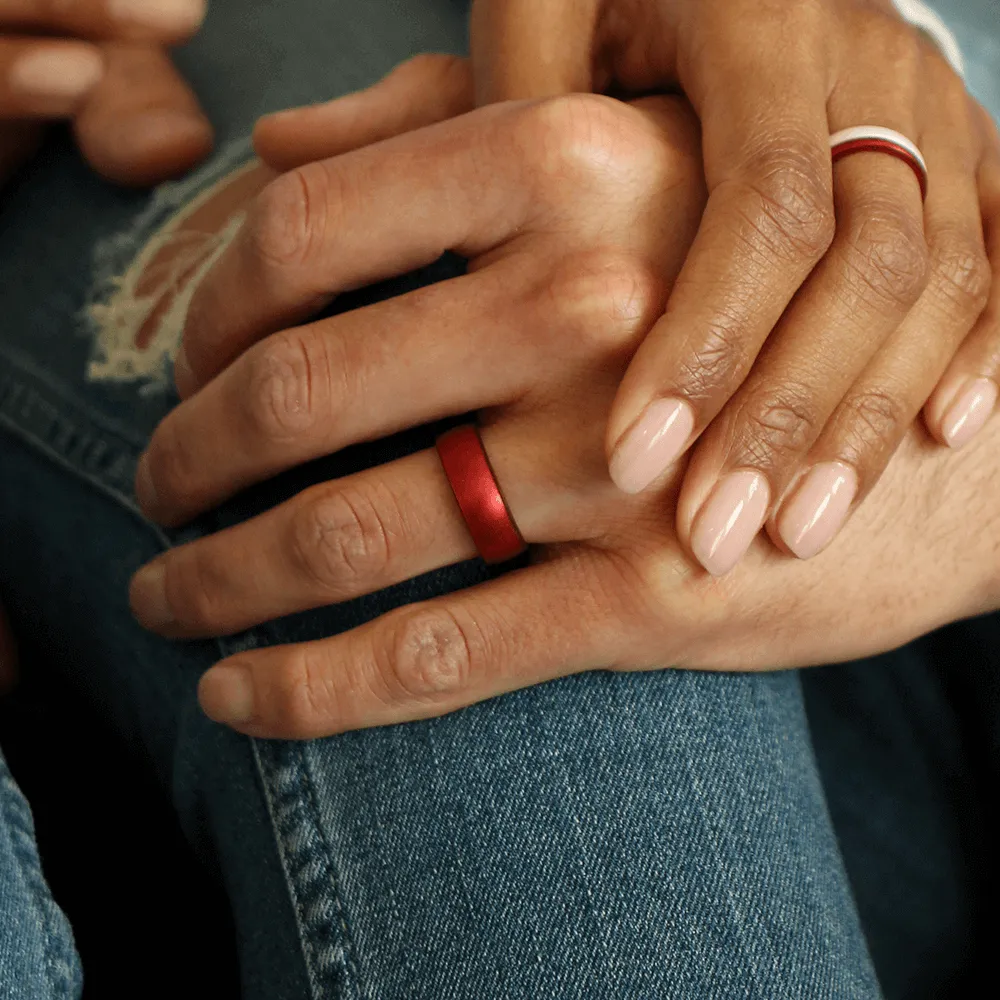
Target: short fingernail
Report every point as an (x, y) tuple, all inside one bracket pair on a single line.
[(226, 695), (654, 443), (968, 414), (174, 16), (54, 73), (730, 520), (818, 508), (145, 488), (183, 374), (148, 598)]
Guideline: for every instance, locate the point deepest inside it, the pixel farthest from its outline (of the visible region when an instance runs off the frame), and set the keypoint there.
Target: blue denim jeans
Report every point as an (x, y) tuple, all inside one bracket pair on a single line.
[(614, 836)]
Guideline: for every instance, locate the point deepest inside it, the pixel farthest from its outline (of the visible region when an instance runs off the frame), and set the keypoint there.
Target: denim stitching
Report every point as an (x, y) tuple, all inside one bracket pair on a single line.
[(309, 871), (62, 970)]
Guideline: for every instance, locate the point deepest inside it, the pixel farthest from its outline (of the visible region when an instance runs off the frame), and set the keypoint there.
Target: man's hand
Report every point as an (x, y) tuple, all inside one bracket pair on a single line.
[(819, 308), (102, 65), (575, 214)]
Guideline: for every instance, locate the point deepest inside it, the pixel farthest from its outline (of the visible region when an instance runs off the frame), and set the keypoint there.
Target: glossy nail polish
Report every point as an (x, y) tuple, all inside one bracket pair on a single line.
[(967, 415), (730, 520), (818, 508), (655, 441)]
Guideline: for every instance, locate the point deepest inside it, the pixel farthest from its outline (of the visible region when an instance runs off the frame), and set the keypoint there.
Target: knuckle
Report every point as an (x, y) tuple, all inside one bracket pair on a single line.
[(963, 273), (290, 218), (777, 423), (787, 199), (584, 139), (718, 362), (608, 299), (429, 654), (887, 259), (340, 540), (281, 388), (875, 418)]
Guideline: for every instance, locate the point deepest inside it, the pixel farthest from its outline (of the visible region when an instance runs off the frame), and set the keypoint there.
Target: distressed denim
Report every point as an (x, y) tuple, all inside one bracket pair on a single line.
[(613, 836)]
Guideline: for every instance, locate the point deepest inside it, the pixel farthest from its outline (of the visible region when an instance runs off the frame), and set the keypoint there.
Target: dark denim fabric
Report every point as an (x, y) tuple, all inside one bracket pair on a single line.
[(606, 836)]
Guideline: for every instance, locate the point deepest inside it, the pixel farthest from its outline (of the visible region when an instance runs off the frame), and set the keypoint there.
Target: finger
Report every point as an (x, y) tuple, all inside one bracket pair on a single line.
[(417, 93), (426, 659), (853, 303), (522, 48), (768, 222), (876, 413), (166, 22), (142, 124), (332, 543), (335, 225), (46, 78), (315, 390), (966, 397)]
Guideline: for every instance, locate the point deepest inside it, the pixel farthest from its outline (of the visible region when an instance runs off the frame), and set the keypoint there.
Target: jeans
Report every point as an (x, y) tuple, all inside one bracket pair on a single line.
[(666, 834)]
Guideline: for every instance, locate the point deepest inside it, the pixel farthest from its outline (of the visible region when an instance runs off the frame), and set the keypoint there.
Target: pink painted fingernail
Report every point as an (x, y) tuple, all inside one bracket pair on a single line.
[(818, 509), (968, 414), (729, 520), (160, 15), (655, 442)]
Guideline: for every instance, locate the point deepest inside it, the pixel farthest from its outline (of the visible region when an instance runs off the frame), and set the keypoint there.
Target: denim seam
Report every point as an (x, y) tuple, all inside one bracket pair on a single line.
[(59, 960), (327, 943)]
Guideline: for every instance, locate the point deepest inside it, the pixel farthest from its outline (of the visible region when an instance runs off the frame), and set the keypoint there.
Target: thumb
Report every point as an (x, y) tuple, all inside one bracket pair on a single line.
[(526, 48)]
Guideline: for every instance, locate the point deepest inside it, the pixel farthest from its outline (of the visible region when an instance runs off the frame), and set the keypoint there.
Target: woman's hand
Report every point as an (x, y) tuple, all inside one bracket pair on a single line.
[(575, 214), (791, 345), (101, 65)]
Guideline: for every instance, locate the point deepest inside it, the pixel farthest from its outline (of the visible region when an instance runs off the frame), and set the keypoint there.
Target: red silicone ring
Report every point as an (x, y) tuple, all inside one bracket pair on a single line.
[(883, 146), (479, 498)]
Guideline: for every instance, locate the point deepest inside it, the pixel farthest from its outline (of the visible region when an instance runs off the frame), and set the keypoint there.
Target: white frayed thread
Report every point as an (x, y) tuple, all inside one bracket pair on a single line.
[(117, 313)]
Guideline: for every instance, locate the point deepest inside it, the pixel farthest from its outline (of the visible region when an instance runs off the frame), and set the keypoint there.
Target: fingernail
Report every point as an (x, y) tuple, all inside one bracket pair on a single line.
[(729, 520), (967, 416), (60, 73), (148, 598), (654, 443), (145, 489), (183, 375), (226, 695), (160, 15), (818, 509)]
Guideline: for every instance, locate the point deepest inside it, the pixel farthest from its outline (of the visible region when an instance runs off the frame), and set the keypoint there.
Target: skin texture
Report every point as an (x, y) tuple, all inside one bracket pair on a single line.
[(819, 310), (536, 337)]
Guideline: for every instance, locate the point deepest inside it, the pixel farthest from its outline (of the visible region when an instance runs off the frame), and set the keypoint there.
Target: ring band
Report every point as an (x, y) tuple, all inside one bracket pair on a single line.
[(475, 486), (875, 139)]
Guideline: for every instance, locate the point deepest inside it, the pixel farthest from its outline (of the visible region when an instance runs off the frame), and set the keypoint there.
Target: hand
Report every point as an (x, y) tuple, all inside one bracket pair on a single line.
[(536, 336), (818, 309), (100, 64)]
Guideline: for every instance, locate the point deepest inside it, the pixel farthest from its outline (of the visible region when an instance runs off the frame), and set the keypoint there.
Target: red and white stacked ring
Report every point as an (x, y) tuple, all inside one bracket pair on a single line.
[(477, 491), (875, 139)]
